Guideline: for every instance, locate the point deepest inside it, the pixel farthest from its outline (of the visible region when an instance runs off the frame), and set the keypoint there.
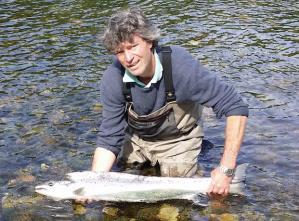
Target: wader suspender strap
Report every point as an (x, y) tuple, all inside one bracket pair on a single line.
[(167, 73), (127, 91)]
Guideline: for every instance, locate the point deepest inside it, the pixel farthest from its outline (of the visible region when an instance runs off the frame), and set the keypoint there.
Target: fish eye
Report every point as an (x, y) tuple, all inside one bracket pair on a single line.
[(51, 184)]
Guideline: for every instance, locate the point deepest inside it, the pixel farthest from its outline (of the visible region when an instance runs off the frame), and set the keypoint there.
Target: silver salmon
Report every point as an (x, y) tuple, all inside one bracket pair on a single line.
[(123, 187)]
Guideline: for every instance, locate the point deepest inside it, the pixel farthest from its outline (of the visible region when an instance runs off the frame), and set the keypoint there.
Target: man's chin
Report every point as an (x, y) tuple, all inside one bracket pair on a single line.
[(135, 73)]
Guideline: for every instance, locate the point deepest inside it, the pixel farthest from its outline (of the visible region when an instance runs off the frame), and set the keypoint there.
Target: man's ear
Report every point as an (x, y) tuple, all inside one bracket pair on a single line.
[(154, 45)]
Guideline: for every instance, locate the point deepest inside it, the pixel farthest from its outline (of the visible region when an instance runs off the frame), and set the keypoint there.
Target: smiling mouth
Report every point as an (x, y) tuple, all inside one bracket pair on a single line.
[(133, 66)]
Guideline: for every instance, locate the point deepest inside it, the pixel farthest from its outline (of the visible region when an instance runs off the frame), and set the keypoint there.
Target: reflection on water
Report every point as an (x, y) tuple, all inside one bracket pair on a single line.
[(50, 68)]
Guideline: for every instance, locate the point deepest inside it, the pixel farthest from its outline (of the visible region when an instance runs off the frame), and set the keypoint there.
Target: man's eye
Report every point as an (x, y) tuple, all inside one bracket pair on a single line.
[(118, 52)]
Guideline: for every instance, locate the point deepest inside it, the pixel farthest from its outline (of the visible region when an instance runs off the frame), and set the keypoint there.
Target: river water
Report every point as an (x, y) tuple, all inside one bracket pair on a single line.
[(51, 63)]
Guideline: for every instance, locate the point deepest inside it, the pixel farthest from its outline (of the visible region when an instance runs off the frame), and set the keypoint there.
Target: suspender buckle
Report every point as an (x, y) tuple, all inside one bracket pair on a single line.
[(170, 96)]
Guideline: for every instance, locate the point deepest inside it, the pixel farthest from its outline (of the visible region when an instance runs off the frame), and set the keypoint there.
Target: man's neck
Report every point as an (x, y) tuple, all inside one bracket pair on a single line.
[(145, 80)]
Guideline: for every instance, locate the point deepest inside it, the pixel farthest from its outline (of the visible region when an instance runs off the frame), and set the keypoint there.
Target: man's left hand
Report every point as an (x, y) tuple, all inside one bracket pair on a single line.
[(220, 183)]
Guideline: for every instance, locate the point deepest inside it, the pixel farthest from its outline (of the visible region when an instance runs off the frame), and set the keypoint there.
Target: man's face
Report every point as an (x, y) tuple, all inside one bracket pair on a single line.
[(137, 57)]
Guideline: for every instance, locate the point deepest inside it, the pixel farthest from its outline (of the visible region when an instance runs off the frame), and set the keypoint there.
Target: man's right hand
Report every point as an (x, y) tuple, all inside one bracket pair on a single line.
[(103, 161)]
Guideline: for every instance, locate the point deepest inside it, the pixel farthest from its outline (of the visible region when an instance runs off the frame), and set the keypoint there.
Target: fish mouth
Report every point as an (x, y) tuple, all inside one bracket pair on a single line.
[(44, 187), (45, 192), (40, 189)]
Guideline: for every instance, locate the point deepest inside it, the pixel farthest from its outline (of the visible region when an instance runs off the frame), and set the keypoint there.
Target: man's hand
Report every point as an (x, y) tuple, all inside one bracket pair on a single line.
[(220, 183), (102, 162), (234, 132)]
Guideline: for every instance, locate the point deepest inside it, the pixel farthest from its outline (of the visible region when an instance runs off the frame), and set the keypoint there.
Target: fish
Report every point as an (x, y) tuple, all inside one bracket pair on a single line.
[(124, 187)]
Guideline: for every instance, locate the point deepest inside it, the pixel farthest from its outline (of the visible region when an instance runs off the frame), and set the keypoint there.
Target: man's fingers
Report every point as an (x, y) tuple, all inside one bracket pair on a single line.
[(226, 192), (83, 200), (80, 201), (220, 191), (89, 200), (219, 184), (214, 189)]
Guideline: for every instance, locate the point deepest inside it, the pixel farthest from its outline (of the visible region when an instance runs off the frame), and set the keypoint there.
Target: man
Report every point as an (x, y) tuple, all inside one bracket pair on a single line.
[(152, 100)]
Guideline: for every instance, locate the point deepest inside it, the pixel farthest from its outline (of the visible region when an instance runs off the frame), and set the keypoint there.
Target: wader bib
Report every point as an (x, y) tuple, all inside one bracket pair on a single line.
[(169, 136)]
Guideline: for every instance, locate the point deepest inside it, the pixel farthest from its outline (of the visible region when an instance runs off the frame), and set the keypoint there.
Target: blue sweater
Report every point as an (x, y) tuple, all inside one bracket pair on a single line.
[(191, 81)]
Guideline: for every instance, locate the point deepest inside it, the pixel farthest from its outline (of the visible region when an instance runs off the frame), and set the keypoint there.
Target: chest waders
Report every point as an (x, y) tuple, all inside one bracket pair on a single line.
[(169, 136)]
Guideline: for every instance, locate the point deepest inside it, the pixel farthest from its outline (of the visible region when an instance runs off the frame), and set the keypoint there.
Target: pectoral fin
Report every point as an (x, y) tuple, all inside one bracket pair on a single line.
[(80, 191), (199, 200)]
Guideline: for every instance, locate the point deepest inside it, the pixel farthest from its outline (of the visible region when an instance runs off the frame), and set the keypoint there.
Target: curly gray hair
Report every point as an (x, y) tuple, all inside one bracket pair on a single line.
[(123, 25)]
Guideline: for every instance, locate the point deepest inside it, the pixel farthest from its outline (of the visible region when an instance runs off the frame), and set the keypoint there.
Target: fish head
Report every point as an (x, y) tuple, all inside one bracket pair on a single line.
[(57, 190)]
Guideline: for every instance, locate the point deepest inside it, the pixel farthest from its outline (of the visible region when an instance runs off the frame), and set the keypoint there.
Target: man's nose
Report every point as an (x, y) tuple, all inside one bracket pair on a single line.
[(128, 56)]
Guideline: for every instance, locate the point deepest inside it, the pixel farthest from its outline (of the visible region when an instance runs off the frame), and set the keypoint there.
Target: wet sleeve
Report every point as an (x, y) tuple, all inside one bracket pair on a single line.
[(112, 128), (196, 83)]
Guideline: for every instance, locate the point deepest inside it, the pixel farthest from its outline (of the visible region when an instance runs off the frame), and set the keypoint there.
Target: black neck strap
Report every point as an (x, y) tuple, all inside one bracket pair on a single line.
[(167, 74)]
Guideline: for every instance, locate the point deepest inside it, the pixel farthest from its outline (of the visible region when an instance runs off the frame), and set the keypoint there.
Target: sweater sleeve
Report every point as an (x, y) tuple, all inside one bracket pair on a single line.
[(196, 83), (112, 128)]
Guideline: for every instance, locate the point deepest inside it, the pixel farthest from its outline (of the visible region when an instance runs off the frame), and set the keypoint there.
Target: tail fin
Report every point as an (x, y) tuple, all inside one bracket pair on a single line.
[(240, 174), (238, 183)]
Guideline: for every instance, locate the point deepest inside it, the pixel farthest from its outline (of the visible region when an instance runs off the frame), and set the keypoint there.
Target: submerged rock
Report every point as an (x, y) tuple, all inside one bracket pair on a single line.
[(111, 211), (253, 216), (10, 201), (23, 176), (228, 217), (59, 117), (168, 213), (44, 167), (79, 209), (97, 107), (147, 213)]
